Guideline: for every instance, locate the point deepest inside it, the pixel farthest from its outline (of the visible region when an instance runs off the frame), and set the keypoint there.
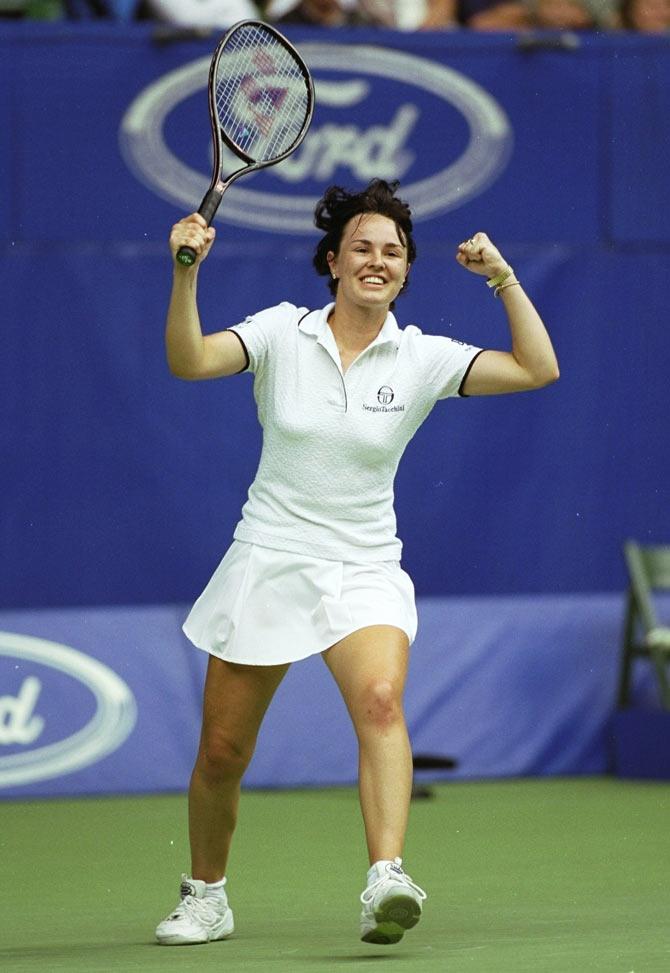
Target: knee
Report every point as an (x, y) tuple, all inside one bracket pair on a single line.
[(221, 757), (381, 704)]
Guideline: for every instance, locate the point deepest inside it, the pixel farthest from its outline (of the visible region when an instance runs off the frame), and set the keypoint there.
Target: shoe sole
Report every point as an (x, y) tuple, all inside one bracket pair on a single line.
[(180, 941), (177, 940), (394, 916)]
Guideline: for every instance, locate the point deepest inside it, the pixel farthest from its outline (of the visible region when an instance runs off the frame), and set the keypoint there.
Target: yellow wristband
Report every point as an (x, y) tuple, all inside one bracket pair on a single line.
[(497, 281)]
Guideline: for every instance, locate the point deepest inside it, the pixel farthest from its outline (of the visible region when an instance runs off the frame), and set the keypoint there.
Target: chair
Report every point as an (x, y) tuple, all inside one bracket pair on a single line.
[(644, 636)]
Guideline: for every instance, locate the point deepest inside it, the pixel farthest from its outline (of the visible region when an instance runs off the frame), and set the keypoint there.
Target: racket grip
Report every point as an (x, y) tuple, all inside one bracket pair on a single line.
[(186, 256), (208, 207), (210, 204)]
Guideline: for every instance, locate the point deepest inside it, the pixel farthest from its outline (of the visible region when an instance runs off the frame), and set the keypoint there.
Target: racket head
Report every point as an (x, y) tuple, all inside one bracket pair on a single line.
[(261, 95)]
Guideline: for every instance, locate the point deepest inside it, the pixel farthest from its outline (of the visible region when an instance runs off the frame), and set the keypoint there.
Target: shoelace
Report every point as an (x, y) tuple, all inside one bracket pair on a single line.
[(199, 908), (368, 894)]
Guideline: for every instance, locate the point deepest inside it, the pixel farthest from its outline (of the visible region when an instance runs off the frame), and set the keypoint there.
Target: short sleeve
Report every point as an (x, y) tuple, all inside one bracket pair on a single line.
[(447, 363), (260, 332)]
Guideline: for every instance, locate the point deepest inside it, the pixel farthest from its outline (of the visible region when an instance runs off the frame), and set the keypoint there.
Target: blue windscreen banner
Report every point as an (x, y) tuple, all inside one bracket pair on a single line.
[(107, 699), (121, 485)]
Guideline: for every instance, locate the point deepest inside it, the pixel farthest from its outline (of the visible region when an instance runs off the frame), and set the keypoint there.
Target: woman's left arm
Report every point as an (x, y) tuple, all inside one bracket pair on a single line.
[(532, 362)]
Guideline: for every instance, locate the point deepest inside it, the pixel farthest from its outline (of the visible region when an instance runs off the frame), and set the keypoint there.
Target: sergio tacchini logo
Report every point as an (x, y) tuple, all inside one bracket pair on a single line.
[(385, 397), (358, 140)]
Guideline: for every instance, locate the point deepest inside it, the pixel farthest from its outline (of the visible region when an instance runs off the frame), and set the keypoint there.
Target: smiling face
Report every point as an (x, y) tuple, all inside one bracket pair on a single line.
[(371, 264)]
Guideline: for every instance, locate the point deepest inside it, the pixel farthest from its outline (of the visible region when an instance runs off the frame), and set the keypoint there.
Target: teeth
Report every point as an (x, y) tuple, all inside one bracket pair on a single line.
[(373, 280)]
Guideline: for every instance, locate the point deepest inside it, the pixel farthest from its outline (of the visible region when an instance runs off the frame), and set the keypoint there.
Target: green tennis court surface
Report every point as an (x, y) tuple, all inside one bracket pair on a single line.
[(548, 876)]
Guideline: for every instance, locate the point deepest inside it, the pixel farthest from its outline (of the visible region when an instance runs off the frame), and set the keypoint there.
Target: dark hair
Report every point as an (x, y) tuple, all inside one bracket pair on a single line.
[(338, 206)]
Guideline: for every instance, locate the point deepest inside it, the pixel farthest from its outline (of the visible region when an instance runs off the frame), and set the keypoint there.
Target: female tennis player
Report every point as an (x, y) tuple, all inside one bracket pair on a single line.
[(315, 562)]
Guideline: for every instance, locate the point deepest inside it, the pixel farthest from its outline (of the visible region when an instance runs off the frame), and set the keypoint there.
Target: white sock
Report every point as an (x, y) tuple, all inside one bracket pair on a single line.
[(215, 888)]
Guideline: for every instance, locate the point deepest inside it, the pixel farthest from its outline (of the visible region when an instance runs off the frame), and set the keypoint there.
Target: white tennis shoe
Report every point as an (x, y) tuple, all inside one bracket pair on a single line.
[(392, 903), (200, 917)]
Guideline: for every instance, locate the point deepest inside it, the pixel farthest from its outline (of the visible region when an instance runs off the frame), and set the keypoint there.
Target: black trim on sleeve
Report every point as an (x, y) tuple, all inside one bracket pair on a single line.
[(467, 372), (244, 347), (303, 317)]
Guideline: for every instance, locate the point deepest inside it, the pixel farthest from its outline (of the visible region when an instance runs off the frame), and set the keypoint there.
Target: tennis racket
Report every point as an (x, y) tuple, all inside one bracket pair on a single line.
[(261, 100)]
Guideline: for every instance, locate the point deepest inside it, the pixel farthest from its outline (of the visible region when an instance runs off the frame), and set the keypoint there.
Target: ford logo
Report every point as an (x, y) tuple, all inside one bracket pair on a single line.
[(22, 726), (392, 115)]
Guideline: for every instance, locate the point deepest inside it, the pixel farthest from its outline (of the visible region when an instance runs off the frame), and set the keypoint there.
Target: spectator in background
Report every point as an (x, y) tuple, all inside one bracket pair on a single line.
[(202, 13), (34, 9), (327, 13), (572, 14), (556, 15), (561, 15), (410, 14), (399, 14), (646, 16), (506, 16)]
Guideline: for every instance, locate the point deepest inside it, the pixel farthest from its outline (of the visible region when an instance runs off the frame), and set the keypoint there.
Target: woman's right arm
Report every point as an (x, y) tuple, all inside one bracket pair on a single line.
[(190, 354)]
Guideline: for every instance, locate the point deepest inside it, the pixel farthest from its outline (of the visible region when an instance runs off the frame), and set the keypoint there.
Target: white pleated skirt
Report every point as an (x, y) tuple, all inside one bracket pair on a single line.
[(264, 607)]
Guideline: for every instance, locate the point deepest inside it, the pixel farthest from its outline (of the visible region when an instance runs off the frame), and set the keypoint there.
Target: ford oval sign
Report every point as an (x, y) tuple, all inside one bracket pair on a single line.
[(112, 718), (380, 112)]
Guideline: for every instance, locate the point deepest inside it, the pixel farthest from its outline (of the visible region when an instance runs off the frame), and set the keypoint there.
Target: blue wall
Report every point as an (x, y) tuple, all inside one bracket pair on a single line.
[(121, 484)]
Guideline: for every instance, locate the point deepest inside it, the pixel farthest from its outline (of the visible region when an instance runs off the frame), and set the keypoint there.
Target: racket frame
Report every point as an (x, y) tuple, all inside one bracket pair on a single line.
[(218, 185)]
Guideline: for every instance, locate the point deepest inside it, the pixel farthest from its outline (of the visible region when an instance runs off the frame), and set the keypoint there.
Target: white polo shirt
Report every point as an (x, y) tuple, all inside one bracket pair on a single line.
[(332, 441)]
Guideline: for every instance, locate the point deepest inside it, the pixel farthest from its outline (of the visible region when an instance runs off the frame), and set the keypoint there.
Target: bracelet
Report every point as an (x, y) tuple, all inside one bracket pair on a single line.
[(501, 287), (496, 281)]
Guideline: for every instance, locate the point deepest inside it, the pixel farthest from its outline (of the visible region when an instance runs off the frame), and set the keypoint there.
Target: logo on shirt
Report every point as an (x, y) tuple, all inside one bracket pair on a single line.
[(385, 397)]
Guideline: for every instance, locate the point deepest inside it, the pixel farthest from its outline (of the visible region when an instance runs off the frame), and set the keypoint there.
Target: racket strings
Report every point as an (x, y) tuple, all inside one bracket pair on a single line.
[(262, 94)]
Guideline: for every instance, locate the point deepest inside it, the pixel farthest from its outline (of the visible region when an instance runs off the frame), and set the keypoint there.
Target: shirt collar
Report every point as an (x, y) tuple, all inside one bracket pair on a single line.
[(316, 323)]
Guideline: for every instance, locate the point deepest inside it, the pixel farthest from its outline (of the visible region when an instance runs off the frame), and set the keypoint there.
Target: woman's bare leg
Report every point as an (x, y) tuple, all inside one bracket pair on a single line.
[(370, 667), (235, 701)]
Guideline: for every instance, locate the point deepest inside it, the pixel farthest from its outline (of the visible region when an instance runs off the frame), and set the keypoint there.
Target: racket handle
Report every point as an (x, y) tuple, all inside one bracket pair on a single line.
[(186, 256), (210, 204), (208, 207)]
